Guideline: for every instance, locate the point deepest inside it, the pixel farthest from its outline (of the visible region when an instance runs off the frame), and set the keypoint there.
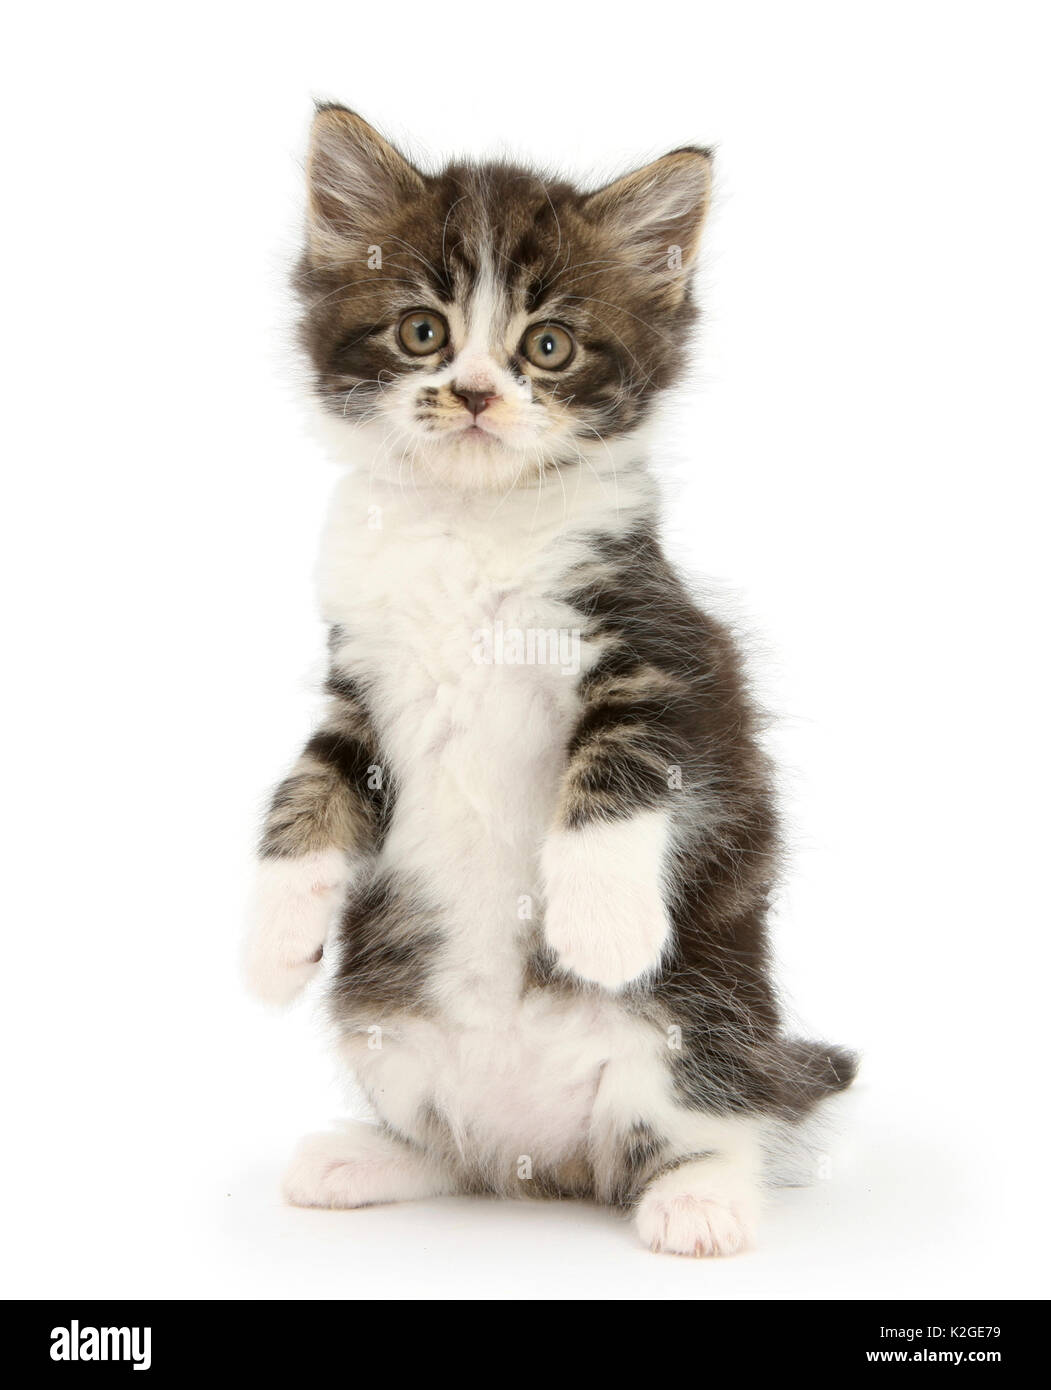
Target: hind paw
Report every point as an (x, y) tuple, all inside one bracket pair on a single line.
[(704, 1207)]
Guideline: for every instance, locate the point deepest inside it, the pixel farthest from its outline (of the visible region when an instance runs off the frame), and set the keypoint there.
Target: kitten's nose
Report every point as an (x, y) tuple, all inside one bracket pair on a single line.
[(475, 401)]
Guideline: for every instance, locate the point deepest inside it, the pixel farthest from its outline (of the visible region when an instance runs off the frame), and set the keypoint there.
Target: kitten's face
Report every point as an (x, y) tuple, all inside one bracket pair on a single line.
[(485, 325)]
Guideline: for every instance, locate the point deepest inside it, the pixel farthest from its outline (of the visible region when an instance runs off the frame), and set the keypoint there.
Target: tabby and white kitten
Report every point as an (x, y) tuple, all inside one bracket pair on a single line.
[(534, 828)]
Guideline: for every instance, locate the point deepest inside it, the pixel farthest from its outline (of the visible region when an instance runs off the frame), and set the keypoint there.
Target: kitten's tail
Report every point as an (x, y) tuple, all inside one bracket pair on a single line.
[(818, 1070)]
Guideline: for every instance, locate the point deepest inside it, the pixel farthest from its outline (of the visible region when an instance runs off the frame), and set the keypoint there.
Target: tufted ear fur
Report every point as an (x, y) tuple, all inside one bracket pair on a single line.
[(355, 178), (658, 211)]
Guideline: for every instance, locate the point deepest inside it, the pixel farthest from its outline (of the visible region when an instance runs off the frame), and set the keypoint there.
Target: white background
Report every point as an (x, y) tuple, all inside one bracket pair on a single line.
[(859, 470)]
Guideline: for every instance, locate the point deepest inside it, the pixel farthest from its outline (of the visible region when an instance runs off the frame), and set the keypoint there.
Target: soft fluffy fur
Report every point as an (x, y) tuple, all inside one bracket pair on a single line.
[(544, 885)]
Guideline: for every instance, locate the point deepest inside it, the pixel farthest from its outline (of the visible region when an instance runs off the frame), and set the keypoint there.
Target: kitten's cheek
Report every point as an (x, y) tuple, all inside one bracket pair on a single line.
[(293, 907), (605, 916)]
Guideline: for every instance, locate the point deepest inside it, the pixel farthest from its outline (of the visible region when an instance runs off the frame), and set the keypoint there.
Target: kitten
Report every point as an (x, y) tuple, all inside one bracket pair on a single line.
[(534, 829)]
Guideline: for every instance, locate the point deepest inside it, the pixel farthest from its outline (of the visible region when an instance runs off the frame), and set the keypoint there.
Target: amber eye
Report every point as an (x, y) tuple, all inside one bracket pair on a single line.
[(421, 332), (548, 345)]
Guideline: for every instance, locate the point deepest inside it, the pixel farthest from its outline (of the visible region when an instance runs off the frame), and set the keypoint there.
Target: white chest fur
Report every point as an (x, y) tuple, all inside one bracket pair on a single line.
[(451, 618)]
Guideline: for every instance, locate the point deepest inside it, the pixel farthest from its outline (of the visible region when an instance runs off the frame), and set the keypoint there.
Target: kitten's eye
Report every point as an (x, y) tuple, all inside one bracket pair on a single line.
[(548, 345), (421, 332)]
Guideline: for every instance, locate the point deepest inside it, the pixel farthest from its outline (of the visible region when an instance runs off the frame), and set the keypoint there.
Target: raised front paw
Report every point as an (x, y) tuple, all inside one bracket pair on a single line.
[(605, 917), (293, 906)]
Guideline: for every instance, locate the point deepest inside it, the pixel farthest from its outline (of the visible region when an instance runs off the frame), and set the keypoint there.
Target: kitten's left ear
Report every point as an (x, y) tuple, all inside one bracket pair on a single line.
[(659, 210)]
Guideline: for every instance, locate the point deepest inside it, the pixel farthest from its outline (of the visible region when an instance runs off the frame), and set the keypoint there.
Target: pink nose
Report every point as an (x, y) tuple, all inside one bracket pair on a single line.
[(475, 401)]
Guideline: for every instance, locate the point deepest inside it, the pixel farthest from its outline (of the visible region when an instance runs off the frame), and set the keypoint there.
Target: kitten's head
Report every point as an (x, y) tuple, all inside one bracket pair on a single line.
[(487, 323)]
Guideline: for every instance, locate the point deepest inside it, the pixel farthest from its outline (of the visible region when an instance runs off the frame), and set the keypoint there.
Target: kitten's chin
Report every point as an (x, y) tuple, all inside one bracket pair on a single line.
[(472, 459), (474, 434), (476, 460)]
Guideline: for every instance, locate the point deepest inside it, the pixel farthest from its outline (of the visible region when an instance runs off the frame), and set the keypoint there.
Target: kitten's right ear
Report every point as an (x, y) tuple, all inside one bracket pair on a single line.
[(355, 178)]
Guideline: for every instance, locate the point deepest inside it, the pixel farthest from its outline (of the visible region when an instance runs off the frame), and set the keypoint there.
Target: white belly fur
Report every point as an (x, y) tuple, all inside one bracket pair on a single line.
[(477, 752)]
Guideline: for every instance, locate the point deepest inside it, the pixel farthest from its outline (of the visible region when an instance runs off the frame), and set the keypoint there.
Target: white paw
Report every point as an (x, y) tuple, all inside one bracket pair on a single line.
[(326, 1172), (605, 917), (294, 903), (359, 1166), (690, 1226), (689, 1213)]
